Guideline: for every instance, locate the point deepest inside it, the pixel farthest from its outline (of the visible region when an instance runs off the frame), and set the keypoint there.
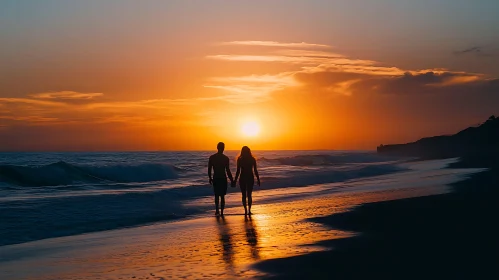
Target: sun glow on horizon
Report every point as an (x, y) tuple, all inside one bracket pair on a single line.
[(250, 129)]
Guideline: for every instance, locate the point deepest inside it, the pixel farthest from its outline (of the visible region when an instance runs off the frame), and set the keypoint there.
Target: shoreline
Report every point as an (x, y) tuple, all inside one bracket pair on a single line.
[(91, 212), (221, 248), (444, 236), (53, 195)]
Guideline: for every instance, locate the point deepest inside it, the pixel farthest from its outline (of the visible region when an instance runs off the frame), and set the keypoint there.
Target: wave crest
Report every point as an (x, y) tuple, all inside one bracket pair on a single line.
[(62, 173), (321, 160)]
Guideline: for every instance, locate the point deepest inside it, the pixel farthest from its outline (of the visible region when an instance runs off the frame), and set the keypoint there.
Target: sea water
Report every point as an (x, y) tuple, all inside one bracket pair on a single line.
[(44, 195)]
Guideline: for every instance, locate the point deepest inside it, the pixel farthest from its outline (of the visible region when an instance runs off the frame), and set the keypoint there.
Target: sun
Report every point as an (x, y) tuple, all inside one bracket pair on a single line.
[(250, 129)]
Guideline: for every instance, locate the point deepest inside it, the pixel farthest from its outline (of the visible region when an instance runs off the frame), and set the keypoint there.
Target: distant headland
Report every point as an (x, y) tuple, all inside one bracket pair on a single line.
[(483, 139)]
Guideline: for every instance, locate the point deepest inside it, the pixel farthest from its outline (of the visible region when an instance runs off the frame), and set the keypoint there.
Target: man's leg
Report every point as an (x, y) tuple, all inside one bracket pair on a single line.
[(223, 204), (216, 203)]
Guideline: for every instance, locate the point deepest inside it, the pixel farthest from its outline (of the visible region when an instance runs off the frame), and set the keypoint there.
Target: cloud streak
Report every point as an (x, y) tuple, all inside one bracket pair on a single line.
[(331, 71), (417, 83), (314, 71), (65, 95), (477, 50), (34, 111), (252, 88), (275, 44), (29, 101)]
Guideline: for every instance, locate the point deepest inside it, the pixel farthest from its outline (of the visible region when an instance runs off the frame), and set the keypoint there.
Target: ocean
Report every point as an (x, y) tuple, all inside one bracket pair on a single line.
[(45, 195)]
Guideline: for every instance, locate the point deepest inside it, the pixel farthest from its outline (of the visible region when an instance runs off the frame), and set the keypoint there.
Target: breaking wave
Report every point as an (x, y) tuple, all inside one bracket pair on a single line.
[(62, 173)]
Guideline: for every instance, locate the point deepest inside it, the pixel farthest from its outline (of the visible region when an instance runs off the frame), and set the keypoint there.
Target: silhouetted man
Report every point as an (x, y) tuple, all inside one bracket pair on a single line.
[(220, 164)]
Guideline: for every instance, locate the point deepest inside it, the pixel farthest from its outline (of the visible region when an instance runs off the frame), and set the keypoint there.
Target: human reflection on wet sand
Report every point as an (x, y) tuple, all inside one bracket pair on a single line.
[(226, 240), (251, 236), (235, 241)]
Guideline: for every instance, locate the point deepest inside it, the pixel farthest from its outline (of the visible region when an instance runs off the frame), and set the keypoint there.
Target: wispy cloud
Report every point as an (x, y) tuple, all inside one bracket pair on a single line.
[(249, 58), (275, 44), (317, 62), (29, 118), (242, 94), (456, 80), (343, 88), (65, 95), (313, 70), (282, 78), (252, 88), (300, 60), (470, 50), (307, 53), (340, 73), (31, 101), (324, 61), (476, 50), (358, 66), (33, 110)]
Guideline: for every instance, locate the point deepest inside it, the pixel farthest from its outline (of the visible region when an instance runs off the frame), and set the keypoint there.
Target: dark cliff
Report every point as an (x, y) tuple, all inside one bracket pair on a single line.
[(483, 139)]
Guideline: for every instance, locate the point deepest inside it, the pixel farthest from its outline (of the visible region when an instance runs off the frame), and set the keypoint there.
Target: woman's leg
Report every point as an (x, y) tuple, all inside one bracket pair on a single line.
[(249, 191), (250, 200), (243, 193)]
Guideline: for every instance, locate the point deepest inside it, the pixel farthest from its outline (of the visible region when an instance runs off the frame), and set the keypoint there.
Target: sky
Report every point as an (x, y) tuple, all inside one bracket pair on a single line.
[(183, 75)]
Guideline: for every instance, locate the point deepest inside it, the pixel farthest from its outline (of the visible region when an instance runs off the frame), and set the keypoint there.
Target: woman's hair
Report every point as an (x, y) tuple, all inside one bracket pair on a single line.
[(245, 153)]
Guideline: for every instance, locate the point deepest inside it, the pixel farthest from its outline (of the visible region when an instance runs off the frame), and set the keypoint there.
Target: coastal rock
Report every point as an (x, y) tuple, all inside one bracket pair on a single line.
[(483, 139)]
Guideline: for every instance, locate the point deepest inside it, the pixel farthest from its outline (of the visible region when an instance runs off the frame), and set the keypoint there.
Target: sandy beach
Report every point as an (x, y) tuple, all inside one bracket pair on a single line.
[(204, 246), (445, 236)]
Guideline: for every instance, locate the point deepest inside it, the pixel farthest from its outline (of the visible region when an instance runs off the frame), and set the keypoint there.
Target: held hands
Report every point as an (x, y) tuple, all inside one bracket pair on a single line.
[(233, 183)]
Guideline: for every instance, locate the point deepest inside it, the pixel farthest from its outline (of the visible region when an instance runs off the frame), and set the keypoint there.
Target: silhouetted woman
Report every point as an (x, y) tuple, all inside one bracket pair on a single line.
[(246, 163)]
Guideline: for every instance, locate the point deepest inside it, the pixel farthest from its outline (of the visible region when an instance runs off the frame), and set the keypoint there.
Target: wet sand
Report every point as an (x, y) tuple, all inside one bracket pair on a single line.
[(447, 236)]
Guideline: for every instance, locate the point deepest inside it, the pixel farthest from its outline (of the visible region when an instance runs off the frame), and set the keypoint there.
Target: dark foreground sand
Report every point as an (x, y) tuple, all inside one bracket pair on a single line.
[(448, 236)]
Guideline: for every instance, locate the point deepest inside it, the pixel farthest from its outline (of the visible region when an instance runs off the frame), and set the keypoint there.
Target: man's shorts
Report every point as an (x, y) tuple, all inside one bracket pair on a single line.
[(220, 186)]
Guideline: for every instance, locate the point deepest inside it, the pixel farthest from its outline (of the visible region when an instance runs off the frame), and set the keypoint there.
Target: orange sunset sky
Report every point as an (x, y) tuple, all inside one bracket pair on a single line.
[(183, 75)]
